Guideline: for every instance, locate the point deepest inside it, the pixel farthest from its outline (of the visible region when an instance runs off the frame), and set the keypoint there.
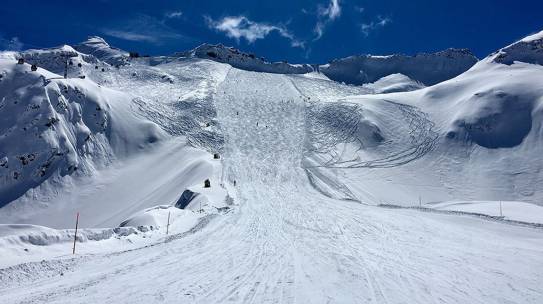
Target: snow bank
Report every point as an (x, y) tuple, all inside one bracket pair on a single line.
[(157, 218), (428, 69), (510, 210), (26, 243), (42, 236)]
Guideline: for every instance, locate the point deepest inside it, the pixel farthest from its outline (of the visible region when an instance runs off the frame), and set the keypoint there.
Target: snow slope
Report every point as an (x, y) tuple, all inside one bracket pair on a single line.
[(394, 83), (484, 125), (288, 243)]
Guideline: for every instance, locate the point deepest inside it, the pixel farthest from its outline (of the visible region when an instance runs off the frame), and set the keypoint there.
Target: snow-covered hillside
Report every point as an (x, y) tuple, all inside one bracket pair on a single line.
[(484, 125), (54, 127), (204, 178), (426, 68)]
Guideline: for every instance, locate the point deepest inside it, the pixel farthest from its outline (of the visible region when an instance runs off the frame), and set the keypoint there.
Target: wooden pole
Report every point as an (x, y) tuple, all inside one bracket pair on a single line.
[(168, 225), (75, 234), (501, 212)]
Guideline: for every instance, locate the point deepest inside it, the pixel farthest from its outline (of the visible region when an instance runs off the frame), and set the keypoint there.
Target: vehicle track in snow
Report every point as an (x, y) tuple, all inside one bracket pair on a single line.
[(337, 123)]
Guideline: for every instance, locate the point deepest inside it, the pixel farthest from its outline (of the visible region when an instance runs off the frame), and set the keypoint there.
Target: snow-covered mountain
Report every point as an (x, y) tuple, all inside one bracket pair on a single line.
[(267, 175), (244, 61), (426, 68), (54, 127), (484, 124), (100, 49)]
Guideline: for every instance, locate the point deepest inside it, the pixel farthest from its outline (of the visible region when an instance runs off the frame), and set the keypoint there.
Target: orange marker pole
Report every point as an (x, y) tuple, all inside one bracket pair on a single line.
[(75, 235)]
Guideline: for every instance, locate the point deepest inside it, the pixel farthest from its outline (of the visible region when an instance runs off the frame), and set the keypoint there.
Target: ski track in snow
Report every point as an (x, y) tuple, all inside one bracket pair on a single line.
[(286, 243)]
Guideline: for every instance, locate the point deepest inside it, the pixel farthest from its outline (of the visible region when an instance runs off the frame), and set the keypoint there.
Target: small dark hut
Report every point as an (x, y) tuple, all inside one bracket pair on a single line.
[(20, 61), (33, 68), (207, 183)]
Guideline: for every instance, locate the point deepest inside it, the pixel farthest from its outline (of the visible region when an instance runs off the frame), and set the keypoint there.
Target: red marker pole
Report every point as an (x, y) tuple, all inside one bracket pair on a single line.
[(75, 235)]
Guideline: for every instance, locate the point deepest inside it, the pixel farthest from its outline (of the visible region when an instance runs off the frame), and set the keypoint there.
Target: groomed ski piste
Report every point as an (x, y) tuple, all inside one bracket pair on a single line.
[(323, 193)]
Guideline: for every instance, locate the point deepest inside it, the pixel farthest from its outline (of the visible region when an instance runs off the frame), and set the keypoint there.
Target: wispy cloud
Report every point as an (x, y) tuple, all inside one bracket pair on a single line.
[(326, 14), (11, 44), (143, 28), (129, 35), (367, 28), (173, 14), (238, 27)]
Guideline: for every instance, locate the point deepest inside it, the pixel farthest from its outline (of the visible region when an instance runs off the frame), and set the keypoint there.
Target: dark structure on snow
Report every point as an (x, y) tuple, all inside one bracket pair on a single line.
[(185, 199)]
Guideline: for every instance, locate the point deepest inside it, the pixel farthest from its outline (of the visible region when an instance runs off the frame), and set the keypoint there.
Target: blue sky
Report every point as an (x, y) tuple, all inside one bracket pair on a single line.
[(297, 31)]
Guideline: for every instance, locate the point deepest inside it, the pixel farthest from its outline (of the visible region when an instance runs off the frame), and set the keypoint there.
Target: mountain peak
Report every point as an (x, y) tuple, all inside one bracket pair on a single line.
[(528, 50), (98, 47)]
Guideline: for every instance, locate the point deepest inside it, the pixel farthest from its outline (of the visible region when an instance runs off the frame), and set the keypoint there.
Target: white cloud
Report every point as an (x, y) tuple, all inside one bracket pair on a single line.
[(13, 44), (143, 28), (173, 14), (367, 28), (238, 27), (325, 16), (130, 36)]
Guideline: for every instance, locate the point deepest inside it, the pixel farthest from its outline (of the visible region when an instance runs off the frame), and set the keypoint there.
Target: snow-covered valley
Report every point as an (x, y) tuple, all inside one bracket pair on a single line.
[(397, 190)]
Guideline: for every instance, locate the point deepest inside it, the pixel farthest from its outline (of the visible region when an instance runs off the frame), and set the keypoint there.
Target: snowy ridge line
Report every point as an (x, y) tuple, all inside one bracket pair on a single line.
[(493, 218)]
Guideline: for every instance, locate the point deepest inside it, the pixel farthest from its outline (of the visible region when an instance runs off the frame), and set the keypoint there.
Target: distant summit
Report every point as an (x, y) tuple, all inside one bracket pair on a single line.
[(429, 69), (100, 49)]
